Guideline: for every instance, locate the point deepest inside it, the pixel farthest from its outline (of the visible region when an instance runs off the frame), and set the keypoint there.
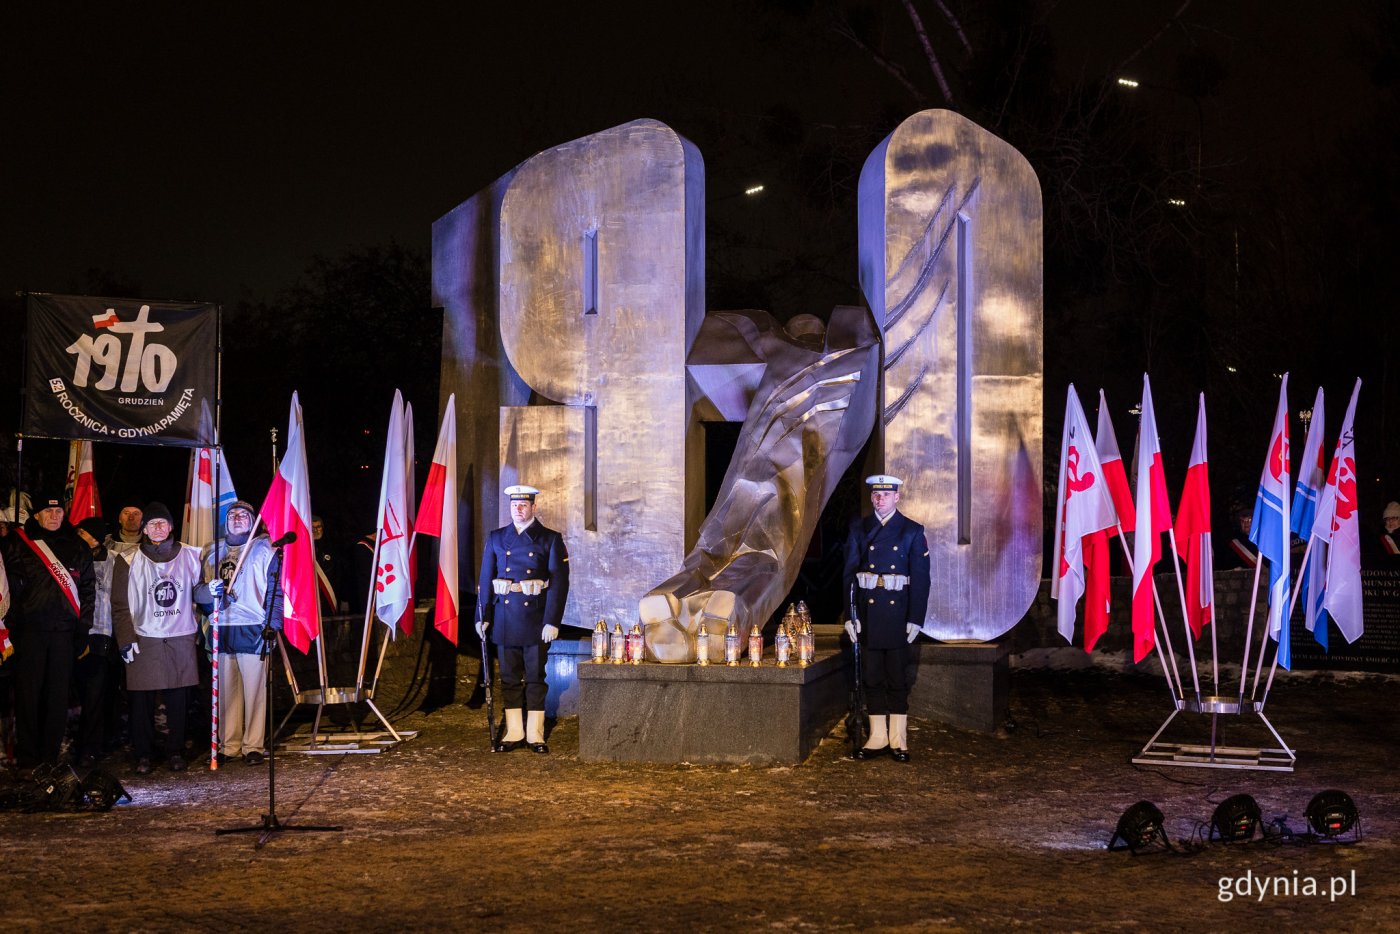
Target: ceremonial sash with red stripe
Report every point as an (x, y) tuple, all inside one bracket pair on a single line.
[(56, 569)]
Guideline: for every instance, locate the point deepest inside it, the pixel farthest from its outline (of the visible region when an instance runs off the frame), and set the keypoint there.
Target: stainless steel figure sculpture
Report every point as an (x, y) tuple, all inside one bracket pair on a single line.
[(806, 396), (950, 261)]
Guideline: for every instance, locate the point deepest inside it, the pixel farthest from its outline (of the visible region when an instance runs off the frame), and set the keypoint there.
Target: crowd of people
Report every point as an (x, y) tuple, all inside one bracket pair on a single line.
[(121, 624)]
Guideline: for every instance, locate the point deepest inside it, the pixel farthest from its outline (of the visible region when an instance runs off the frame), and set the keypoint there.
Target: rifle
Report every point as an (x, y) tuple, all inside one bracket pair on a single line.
[(486, 686), (857, 720)]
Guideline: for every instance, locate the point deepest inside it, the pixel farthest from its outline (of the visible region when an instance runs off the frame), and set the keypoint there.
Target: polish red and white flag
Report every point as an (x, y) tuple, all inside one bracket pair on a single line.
[(83, 501), (1113, 471), (437, 516), (1193, 530), (287, 508), (1154, 516)]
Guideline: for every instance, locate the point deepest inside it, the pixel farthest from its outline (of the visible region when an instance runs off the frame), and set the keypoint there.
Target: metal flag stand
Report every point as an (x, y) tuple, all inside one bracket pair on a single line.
[(357, 741), (1280, 758)]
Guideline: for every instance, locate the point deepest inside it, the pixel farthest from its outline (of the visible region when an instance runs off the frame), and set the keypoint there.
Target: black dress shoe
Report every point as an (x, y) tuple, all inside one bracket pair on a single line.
[(900, 755), (143, 766), (540, 748), (176, 763), (864, 753), (253, 758), (510, 745)]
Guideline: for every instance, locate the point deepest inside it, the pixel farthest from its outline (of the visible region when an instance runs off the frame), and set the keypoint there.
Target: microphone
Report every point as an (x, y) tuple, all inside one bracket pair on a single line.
[(285, 540)]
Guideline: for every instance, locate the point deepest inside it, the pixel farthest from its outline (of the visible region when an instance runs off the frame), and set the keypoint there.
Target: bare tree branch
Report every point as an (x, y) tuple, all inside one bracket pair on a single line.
[(1165, 26), (933, 62), (957, 26), (843, 28)]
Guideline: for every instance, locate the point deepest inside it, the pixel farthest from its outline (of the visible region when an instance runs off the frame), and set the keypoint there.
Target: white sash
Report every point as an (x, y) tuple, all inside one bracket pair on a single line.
[(55, 568)]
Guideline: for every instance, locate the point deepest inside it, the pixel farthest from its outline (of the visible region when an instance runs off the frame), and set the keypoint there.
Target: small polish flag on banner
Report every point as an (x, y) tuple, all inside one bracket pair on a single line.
[(1154, 516), (437, 516), (393, 590), (1312, 477), (106, 319), (287, 508), (1337, 524), (1269, 529), (1083, 507), (83, 501), (1193, 530), (1113, 470)]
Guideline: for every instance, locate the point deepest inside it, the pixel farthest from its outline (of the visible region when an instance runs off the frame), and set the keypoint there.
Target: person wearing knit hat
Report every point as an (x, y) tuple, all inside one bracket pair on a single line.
[(154, 623), (50, 573), (1390, 536), (239, 594)]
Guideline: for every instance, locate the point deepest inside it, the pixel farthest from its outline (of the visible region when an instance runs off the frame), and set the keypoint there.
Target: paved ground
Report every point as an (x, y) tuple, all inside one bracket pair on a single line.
[(978, 832)]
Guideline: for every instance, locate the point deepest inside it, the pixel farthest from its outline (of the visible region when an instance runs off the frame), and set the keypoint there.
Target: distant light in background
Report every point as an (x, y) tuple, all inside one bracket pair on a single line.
[(1127, 82), (1232, 369), (1176, 202), (753, 190)]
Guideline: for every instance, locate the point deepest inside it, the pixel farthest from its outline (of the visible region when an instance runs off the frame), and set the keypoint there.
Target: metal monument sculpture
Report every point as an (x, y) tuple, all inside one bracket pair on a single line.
[(576, 342), (806, 396)]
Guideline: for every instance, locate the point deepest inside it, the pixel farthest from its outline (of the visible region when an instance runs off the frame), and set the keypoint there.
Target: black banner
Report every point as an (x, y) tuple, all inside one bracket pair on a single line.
[(122, 370)]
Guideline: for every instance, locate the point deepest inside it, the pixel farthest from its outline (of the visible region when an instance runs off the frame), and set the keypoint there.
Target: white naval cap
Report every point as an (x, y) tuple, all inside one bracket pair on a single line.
[(520, 491), (883, 481)]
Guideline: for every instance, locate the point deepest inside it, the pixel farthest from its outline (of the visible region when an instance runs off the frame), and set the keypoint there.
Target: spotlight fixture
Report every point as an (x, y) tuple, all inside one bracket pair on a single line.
[(1138, 828), (103, 790), (1235, 820), (1332, 813)]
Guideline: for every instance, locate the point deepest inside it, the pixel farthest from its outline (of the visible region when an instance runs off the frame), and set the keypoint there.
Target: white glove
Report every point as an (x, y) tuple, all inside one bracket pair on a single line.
[(866, 580), (894, 582), (853, 628), (130, 652), (500, 585), (216, 587), (531, 588), (481, 625), (549, 633), (912, 630)]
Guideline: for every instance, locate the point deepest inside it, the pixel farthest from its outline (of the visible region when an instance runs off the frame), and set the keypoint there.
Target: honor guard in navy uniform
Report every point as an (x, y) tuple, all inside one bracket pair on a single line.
[(522, 587), (887, 564)]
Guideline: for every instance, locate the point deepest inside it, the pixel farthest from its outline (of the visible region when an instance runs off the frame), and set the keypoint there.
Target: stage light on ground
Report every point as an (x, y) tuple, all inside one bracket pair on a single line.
[(1235, 820), (1138, 828), (1332, 813), (1127, 83)]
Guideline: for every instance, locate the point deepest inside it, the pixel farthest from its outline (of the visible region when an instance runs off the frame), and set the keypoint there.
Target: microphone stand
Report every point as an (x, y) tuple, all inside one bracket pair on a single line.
[(270, 823)]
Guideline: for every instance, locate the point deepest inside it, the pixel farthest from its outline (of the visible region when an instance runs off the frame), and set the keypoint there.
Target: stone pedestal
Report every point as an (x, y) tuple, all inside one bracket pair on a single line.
[(961, 684), (689, 713)]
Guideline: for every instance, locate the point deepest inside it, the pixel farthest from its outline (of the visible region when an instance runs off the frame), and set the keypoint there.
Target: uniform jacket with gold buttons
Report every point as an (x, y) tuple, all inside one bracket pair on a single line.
[(537, 553), (897, 547)]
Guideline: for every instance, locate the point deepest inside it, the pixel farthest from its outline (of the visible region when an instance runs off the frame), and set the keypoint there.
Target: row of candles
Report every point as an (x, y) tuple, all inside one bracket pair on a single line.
[(793, 638)]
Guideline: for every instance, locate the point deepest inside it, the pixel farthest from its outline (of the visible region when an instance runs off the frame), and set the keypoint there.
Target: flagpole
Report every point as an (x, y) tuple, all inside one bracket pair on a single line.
[(1185, 618), (1166, 671), (369, 617), (1292, 602), (1214, 646), (1249, 627)]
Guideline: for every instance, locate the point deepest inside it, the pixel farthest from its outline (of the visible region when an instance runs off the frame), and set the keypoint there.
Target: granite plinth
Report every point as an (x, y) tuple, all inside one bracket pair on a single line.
[(961, 684), (712, 713)]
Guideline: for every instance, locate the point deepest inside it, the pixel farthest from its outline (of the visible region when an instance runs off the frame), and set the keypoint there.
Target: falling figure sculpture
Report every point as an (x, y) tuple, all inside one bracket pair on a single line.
[(807, 397)]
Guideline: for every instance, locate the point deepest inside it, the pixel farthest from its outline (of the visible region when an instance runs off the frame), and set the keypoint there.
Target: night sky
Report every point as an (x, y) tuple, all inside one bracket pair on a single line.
[(205, 153)]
